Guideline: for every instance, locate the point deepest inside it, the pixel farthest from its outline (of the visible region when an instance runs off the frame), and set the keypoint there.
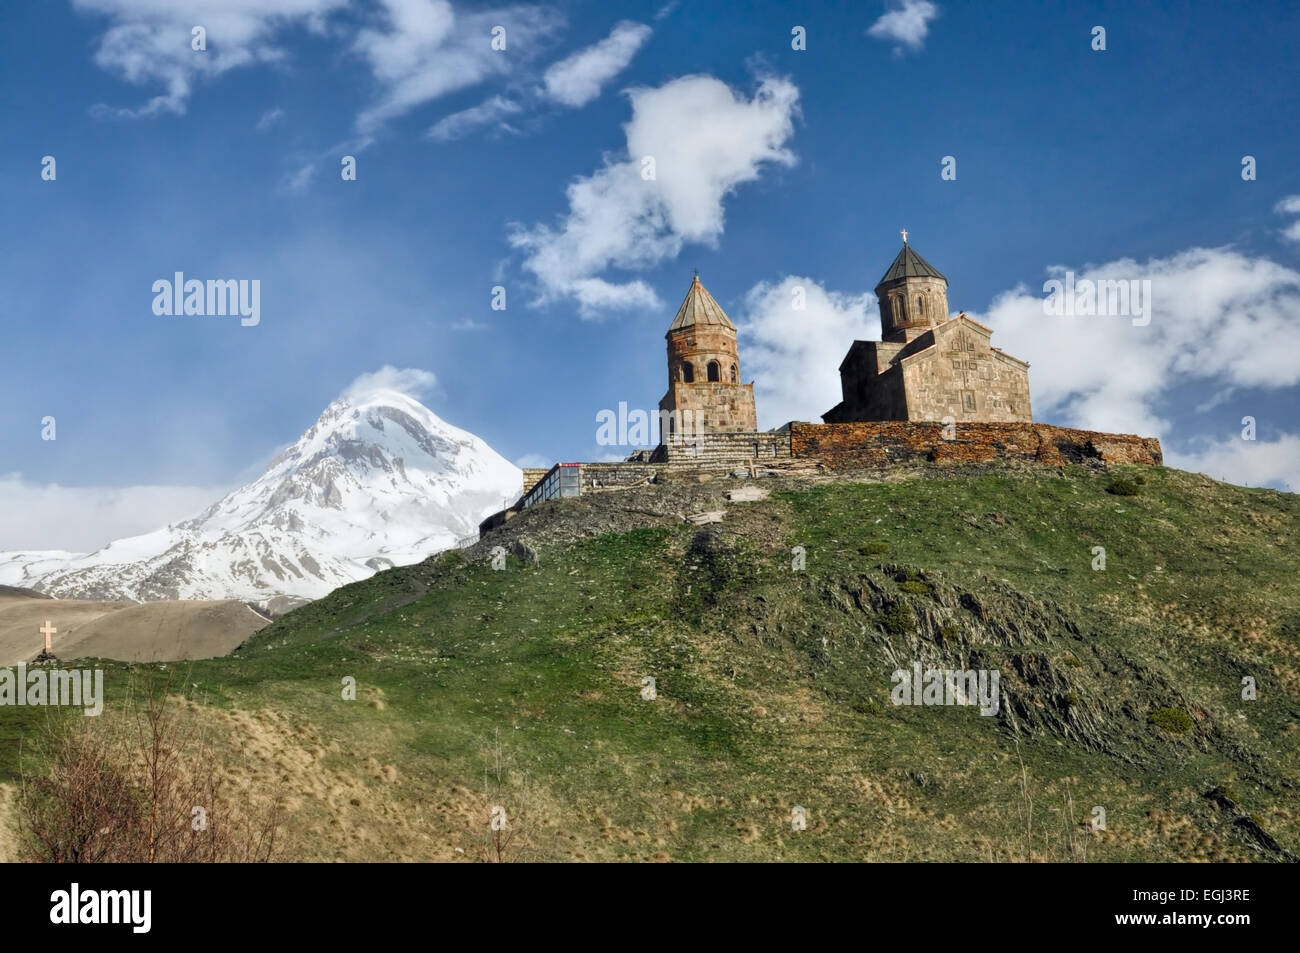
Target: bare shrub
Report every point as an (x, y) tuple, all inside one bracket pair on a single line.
[(515, 836), (142, 784)]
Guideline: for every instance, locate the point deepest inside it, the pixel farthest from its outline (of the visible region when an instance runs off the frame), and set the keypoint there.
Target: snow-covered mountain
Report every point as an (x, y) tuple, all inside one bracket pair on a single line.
[(379, 480)]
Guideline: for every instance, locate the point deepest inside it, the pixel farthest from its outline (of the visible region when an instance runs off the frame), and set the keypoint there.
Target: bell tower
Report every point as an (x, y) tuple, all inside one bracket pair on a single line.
[(913, 297), (705, 394)]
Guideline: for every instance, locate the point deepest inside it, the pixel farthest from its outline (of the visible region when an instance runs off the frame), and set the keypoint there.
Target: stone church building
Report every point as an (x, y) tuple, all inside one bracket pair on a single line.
[(928, 366), (705, 394)]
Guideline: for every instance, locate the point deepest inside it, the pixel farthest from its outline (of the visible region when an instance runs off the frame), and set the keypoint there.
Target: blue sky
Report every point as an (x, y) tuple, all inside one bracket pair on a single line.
[(519, 168)]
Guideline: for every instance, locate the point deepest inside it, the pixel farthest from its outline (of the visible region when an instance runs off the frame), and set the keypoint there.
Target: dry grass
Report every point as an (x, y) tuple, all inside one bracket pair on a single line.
[(142, 784)]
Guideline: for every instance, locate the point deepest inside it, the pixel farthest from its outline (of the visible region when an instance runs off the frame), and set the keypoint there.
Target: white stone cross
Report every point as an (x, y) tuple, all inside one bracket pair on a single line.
[(47, 630), (904, 236)]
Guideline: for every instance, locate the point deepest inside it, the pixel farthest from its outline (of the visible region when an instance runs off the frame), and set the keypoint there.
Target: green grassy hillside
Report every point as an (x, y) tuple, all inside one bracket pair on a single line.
[(1121, 688)]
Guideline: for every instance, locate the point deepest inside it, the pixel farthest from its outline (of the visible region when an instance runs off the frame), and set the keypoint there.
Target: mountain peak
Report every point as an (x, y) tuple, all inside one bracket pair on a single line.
[(377, 480)]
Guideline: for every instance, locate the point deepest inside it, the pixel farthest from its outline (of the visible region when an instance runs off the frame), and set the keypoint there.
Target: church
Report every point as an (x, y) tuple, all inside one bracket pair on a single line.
[(928, 369), (928, 366), (705, 394)]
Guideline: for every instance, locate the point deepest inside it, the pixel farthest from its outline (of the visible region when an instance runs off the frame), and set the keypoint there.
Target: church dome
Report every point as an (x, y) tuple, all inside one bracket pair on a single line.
[(699, 309), (913, 296), (909, 264)]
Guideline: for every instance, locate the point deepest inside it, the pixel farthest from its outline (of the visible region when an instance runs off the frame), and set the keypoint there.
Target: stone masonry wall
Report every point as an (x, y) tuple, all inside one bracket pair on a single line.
[(879, 443), (721, 405), (869, 444), (964, 378), (725, 448), (532, 476), (615, 474)]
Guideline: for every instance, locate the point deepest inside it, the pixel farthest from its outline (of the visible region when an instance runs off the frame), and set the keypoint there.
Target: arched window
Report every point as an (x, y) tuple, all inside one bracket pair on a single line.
[(688, 372), (920, 306), (714, 373), (734, 376), (900, 309)]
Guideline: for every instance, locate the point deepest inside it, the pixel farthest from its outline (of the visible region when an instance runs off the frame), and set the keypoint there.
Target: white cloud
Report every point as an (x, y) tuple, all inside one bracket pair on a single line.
[(417, 51), (907, 24), (490, 112), (1218, 398), (468, 324), (572, 82), (1290, 206), (410, 381), (706, 140), (38, 516), (269, 119), (425, 50), (578, 79), (533, 461), (1245, 462), (149, 42), (299, 180), (792, 355), (1217, 316)]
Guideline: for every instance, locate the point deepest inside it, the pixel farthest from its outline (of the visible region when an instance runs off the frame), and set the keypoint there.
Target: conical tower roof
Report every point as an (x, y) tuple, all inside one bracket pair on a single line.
[(909, 264), (699, 308)]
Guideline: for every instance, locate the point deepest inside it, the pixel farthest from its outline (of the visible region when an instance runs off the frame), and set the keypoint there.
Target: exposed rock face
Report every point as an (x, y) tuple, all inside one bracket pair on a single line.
[(522, 549)]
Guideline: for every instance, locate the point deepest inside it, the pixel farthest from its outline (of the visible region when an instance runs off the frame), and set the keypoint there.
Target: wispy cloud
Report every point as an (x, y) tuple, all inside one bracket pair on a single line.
[(1290, 206), (269, 119), (578, 79), (300, 178), (491, 112), (570, 83), (150, 42), (907, 24), (411, 381), (424, 49)]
